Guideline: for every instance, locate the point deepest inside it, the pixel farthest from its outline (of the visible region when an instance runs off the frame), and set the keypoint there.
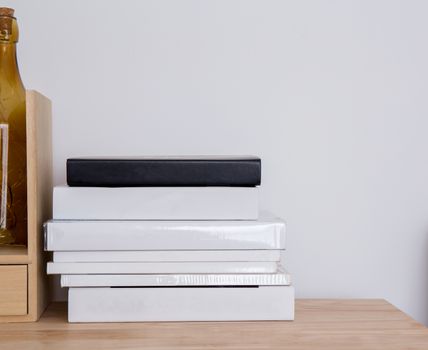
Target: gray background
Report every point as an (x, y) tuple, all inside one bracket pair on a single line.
[(332, 95)]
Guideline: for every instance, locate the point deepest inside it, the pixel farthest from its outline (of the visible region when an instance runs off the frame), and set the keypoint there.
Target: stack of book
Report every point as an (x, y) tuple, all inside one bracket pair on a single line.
[(167, 239)]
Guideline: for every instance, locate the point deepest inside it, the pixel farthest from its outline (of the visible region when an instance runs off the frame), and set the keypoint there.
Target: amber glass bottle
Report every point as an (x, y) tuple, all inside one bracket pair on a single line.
[(13, 159)]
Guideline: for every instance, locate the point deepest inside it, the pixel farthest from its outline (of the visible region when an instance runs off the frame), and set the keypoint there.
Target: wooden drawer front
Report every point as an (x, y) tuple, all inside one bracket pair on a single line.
[(13, 290)]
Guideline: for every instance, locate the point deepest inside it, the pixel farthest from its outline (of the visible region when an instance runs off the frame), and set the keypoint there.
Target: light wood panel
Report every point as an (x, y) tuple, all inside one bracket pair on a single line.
[(39, 187), (14, 255), (319, 324), (39, 167), (13, 290)]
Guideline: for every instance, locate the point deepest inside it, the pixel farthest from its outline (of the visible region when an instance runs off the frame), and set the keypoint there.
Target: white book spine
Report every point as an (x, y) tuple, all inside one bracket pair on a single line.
[(155, 203), (280, 279), (180, 304), (161, 268), (167, 256), (164, 235)]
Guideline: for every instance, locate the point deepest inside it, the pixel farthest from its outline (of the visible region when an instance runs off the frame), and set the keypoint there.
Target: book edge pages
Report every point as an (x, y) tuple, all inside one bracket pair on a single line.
[(280, 279)]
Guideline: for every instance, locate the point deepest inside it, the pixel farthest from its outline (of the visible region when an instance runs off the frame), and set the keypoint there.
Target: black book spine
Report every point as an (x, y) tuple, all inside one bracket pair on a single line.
[(132, 173)]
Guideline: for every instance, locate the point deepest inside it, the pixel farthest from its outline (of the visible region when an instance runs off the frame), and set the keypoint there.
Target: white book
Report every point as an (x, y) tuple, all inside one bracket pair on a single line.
[(164, 235), (268, 279), (167, 255), (160, 267), (180, 304), (155, 203)]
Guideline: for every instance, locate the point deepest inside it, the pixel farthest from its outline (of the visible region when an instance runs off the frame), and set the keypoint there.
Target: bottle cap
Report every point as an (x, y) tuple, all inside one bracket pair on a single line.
[(6, 11), (9, 32)]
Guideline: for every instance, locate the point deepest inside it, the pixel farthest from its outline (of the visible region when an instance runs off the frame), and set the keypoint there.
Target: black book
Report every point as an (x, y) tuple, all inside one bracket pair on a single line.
[(164, 171)]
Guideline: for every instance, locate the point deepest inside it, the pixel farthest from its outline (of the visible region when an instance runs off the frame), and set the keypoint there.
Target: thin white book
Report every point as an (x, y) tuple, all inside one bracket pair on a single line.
[(160, 267), (70, 235), (180, 304), (167, 255), (281, 278), (155, 203)]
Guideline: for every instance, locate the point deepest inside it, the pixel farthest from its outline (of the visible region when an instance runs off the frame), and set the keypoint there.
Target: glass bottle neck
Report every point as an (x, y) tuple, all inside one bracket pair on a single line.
[(9, 35), (9, 64)]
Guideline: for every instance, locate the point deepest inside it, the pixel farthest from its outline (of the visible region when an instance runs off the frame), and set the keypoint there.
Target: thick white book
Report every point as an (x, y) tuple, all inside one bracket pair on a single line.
[(172, 280), (167, 255), (63, 235), (155, 203), (180, 304), (160, 267)]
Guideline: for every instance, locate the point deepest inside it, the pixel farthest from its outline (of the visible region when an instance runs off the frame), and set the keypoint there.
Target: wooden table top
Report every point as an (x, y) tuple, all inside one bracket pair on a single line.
[(319, 324)]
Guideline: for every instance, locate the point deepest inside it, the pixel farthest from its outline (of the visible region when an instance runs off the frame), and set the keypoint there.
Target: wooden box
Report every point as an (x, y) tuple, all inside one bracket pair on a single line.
[(23, 287)]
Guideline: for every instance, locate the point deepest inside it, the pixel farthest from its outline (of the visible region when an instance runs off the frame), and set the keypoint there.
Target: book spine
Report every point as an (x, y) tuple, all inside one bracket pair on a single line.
[(155, 203), (128, 172), (151, 235), (167, 256), (160, 268), (180, 304)]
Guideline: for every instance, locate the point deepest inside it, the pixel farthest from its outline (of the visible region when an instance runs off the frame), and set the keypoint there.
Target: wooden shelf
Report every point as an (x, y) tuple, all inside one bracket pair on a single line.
[(319, 325), (28, 297), (14, 255)]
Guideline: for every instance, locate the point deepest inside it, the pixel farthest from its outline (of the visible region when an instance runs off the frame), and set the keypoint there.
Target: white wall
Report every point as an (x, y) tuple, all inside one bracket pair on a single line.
[(331, 94)]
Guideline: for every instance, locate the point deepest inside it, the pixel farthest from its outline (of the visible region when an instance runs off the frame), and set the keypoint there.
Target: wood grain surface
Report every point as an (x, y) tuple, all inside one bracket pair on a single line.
[(39, 197), (13, 290), (319, 324)]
